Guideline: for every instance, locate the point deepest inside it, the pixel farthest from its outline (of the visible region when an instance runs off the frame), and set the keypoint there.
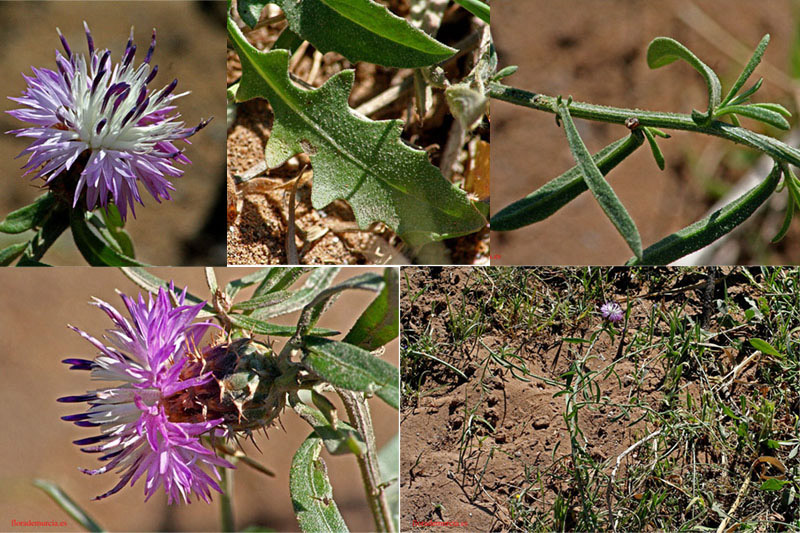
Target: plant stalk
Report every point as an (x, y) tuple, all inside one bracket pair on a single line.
[(358, 411), (225, 501), (657, 119)]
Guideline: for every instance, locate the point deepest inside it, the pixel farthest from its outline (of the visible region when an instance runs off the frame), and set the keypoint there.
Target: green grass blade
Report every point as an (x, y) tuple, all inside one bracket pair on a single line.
[(602, 191)]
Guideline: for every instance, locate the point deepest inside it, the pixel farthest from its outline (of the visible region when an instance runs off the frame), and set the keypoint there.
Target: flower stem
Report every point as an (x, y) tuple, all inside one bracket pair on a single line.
[(225, 502), (657, 119), (358, 411)]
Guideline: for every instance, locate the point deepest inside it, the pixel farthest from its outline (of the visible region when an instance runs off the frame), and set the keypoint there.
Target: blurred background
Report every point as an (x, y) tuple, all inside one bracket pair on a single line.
[(190, 229), (595, 50), (38, 304)]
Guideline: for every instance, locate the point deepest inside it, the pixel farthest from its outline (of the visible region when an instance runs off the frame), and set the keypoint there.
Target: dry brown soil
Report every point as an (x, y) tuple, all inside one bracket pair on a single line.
[(474, 487), (594, 50)]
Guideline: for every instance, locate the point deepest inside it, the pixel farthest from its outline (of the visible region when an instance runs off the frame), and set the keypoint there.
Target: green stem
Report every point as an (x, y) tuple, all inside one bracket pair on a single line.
[(358, 411), (225, 501), (657, 119)]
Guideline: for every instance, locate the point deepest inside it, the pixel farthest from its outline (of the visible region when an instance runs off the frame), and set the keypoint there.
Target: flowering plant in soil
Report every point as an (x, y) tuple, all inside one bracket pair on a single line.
[(100, 131), (174, 404), (720, 119)]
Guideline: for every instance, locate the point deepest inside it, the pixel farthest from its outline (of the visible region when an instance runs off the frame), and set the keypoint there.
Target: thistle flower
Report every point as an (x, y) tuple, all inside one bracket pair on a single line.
[(141, 431), (101, 120), (611, 311)]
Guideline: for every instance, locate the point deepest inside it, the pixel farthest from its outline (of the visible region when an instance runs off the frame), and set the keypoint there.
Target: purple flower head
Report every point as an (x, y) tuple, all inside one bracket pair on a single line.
[(611, 311), (102, 119), (143, 431)]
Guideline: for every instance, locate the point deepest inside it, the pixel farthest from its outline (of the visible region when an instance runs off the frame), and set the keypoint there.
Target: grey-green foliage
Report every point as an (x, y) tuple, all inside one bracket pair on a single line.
[(360, 30), (361, 161)]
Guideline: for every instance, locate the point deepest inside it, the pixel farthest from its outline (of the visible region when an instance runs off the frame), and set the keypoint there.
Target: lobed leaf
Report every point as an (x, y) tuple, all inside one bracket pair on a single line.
[(705, 231), (361, 161), (559, 191), (312, 494), (600, 188), (30, 216), (352, 368), (663, 51)]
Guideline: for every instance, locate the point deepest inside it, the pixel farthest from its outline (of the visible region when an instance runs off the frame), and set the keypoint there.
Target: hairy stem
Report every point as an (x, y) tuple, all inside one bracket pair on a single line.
[(358, 411), (657, 119)]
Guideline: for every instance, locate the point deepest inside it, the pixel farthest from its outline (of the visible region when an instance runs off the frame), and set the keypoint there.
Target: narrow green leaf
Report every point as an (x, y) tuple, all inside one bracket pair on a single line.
[(777, 108), (787, 219), (792, 183), (53, 226), (663, 51), (352, 368), (312, 494), (765, 347), (559, 191), (389, 464), (762, 114), (705, 231), (8, 254), (94, 250), (262, 301), (279, 279), (380, 322), (252, 325), (477, 8), (742, 98), (68, 505), (361, 161), (657, 154), (600, 188), (233, 287), (363, 30), (748, 69), (151, 283), (314, 309), (338, 441), (505, 72), (319, 280), (30, 216)]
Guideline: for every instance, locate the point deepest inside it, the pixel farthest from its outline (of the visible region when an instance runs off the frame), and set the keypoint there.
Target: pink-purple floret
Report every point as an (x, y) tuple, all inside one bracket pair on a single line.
[(611, 311), (69, 121), (137, 437)]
